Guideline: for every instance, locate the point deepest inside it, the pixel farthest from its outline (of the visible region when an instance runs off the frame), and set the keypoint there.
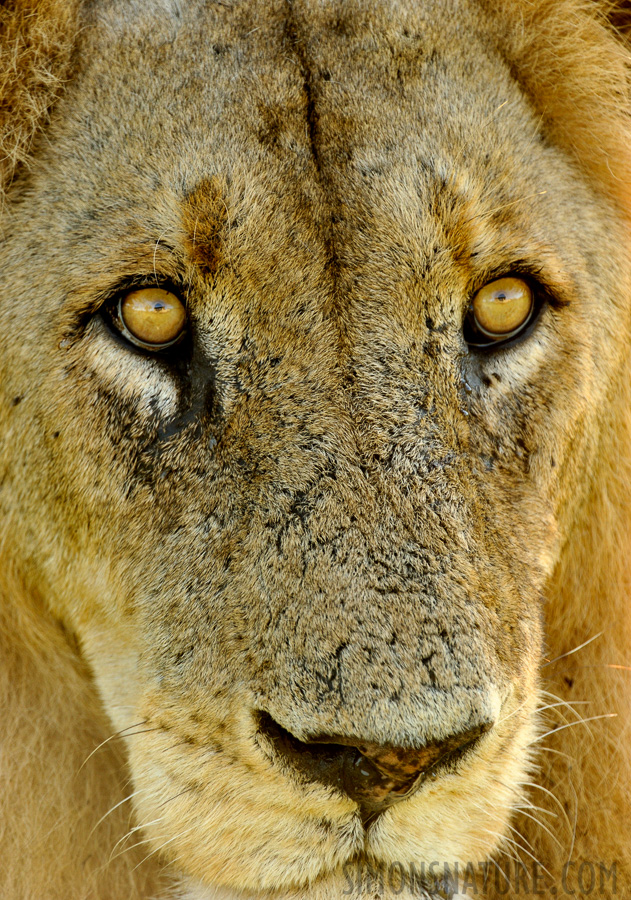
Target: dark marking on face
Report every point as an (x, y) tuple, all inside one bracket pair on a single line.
[(205, 216), (272, 124)]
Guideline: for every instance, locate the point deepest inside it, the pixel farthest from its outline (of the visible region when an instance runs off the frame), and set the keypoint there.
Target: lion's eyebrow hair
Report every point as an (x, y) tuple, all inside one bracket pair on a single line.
[(205, 218), (151, 261), (495, 209)]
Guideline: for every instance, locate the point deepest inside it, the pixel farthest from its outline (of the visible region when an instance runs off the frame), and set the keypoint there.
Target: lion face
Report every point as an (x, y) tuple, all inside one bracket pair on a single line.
[(304, 549)]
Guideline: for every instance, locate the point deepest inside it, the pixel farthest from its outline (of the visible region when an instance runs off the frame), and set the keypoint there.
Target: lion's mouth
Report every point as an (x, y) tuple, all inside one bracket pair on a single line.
[(374, 776)]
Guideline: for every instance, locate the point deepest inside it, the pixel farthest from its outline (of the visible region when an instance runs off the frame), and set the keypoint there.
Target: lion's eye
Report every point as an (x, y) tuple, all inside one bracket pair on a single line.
[(152, 318), (499, 311)]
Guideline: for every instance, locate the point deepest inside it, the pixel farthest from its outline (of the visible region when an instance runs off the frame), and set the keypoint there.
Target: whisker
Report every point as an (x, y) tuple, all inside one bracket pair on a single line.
[(500, 870), (116, 734), (115, 807), (602, 666), (572, 724), (175, 796), (155, 253), (539, 787), (516, 832), (575, 650), (533, 806), (489, 212), (555, 751), (569, 857), (128, 834), (560, 702), (133, 846), (513, 713), (531, 855), (159, 849), (563, 703), (500, 849), (522, 812)]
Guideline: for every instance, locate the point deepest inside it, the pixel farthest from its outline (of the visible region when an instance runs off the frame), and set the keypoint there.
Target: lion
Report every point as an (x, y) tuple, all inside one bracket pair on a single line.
[(315, 449)]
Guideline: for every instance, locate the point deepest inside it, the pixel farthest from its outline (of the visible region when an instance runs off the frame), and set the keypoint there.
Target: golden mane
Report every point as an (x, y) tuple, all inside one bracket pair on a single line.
[(573, 63), (36, 42)]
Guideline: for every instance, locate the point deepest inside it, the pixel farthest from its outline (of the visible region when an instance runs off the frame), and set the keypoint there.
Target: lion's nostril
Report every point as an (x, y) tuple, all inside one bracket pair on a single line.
[(373, 775)]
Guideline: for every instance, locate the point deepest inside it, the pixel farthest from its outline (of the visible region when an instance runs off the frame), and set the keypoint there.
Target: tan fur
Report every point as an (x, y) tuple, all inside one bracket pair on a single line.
[(323, 508), (36, 40), (577, 79)]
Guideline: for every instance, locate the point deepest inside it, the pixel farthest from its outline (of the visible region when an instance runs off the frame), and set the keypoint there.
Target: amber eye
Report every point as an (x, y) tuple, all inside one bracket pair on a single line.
[(152, 318), (500, 310)]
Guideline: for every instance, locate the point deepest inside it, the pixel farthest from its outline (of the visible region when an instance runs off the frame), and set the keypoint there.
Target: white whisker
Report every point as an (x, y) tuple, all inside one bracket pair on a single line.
[(572, 724), (570, 652), (115, 807), (116, 734)]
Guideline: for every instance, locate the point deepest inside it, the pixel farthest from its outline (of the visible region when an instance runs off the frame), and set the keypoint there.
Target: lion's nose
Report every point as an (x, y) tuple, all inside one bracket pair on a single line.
[(374, 776)]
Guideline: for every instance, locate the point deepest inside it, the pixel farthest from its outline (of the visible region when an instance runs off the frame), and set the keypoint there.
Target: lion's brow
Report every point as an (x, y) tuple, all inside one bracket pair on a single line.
[(205, 216)]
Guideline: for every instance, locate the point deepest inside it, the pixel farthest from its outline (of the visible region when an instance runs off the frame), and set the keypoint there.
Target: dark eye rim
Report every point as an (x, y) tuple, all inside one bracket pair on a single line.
[(110, 312), (477, 341)]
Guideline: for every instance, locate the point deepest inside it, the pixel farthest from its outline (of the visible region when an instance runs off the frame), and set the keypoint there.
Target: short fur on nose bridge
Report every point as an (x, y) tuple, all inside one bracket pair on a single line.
[(374, 775)]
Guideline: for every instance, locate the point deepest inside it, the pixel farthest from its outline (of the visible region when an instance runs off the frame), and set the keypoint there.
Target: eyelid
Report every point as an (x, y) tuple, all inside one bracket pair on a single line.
[(550, 282)]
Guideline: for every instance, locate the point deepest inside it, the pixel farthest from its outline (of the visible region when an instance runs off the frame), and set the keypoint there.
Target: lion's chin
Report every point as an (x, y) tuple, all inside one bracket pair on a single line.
[(333, 887)]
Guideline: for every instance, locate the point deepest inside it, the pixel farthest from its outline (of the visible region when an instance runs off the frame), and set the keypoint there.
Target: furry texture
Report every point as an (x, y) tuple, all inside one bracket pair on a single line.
[(322, 509), (50, 712), (576, 77), (36, 40)]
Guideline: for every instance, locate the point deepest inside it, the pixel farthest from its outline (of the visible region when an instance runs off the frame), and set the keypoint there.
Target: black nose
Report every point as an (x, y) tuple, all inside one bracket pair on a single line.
[(374, 776)]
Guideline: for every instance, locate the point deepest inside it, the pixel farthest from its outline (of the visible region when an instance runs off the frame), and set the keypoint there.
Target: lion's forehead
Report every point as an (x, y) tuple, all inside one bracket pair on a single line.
[(291, 134)]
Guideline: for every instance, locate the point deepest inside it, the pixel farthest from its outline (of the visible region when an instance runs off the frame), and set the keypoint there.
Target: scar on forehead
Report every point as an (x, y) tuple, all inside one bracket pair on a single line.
[(205, 216)]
